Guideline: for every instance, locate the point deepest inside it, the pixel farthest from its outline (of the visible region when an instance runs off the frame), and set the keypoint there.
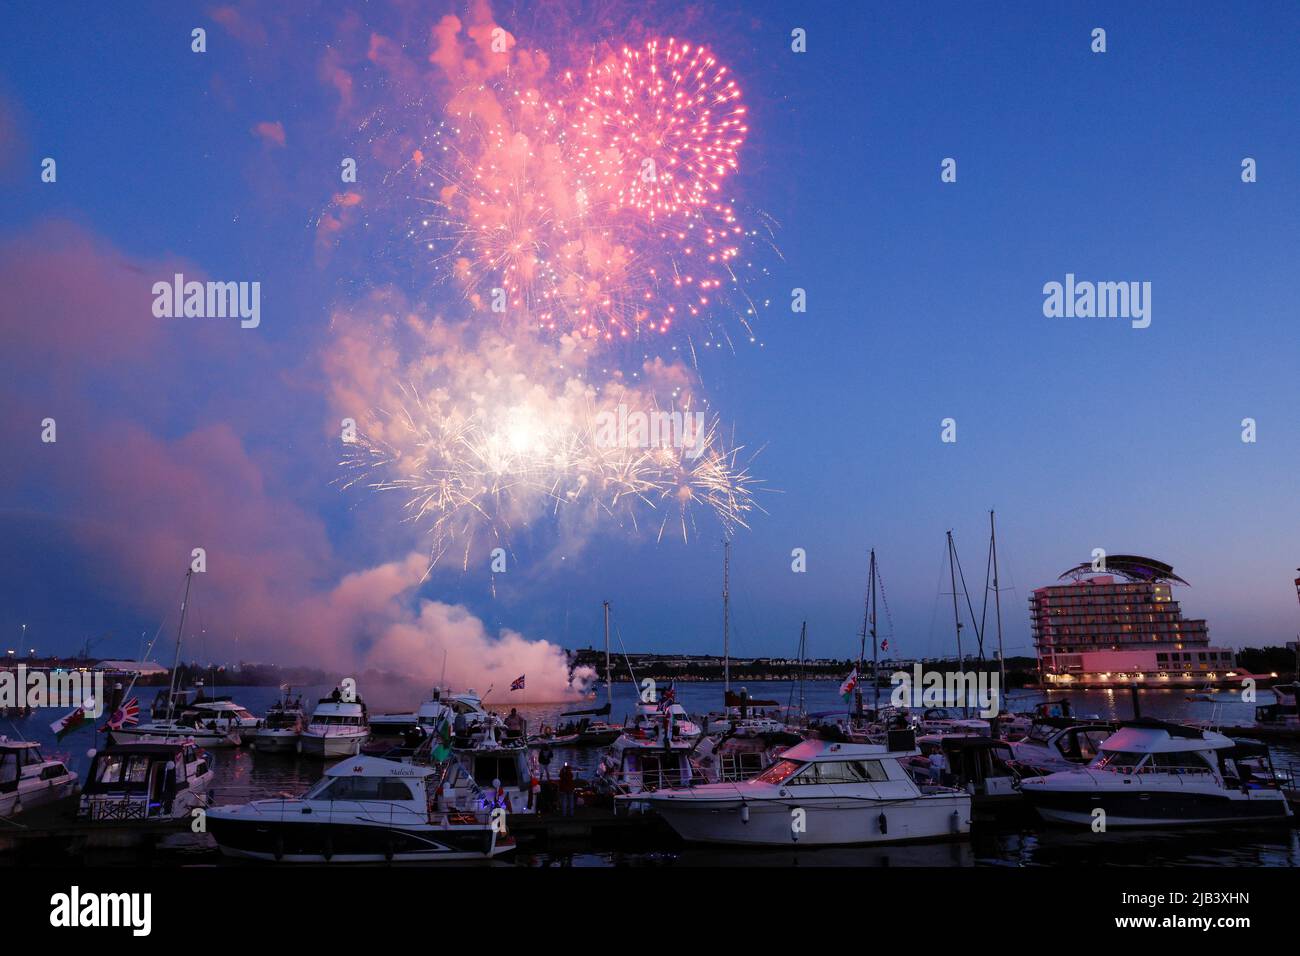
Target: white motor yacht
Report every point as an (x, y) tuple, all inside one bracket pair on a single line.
[(819, 793), (280, 728), (28, 779), (365, 810), (1154, 774), (489, 771), (337, 728)]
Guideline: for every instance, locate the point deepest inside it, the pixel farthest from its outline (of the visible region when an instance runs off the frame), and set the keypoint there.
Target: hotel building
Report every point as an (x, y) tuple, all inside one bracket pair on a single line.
[(1120, 627)]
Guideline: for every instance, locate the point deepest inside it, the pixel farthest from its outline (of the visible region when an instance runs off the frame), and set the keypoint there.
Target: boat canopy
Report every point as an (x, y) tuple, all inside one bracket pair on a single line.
[(829, 750), (1150, 739)]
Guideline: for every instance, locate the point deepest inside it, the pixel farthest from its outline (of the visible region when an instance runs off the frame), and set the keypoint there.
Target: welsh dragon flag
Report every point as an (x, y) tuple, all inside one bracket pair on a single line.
[(442, 748), (70, 722), (850, 682)]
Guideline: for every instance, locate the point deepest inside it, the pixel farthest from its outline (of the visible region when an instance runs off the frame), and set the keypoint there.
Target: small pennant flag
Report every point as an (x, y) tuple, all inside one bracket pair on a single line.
[(884, 645), (518, 683), (850, 682), (128, 713), (70, 722)]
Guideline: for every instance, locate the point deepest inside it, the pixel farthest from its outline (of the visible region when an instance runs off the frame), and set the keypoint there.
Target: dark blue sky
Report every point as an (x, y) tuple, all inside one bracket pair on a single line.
[(925, 302)]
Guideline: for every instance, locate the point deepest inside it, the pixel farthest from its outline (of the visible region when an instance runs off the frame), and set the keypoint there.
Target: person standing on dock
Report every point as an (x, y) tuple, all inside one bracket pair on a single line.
[(544, 761), (566, 790)]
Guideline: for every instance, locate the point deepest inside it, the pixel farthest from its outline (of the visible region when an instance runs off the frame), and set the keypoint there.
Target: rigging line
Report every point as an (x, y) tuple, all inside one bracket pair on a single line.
[(148, 652), (938, 593), (631, 673), (979, 633), (880, 586), (988, 570)]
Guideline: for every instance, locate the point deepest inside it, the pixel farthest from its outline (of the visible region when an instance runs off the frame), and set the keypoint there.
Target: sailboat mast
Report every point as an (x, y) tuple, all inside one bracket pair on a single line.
[(803, 651), (180, 630), (875, 645), (726, 615), (956, 616), (609, 686), (997, 603)]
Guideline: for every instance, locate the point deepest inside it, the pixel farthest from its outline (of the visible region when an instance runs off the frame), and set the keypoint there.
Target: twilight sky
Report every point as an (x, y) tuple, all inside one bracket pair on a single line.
[(924, 302)]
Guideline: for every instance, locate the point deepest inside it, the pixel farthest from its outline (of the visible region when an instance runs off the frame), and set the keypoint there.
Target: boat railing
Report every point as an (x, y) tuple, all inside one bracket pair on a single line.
[(736, 767)]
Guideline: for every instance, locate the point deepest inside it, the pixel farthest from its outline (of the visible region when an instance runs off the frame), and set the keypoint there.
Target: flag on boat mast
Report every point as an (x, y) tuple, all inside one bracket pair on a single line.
[(518, 683), (850, 682), (71, 721), (128, 713)]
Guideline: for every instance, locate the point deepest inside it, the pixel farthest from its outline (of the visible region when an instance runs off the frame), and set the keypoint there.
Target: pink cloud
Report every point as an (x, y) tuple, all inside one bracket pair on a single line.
[(270, 132), (70, 294), (239, 25)]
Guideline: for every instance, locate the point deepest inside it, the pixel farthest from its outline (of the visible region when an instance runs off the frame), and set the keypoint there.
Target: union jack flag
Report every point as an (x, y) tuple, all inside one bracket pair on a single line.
[(128, 713), (518, 683)]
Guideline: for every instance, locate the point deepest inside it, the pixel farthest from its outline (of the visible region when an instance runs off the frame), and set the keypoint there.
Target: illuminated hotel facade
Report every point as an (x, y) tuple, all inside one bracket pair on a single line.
[(1121, 627)]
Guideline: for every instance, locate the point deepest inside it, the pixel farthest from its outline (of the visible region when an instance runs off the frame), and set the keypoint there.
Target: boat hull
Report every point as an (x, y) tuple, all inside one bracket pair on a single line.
[(315, 745), (829, 821), (36, 793), (299, 842), (1156, 809), (275, 742)]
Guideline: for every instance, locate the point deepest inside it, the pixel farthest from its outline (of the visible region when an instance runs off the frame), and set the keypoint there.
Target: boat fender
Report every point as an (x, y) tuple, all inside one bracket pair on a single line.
[(278, 849), (884, 823), (744, 813), (956, 822), (328, 852)]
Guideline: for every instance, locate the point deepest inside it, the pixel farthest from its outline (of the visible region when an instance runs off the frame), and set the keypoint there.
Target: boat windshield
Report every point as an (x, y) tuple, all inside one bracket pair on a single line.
[(779, 772), (1120, 761), (359, 788), (119, 772)]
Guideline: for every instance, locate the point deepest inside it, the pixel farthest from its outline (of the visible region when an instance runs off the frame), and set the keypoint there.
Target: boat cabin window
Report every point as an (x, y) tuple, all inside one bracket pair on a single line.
[(841, 771), (1178, 763), (1120, 761), (487, 769), (779, 772), (337, 720), (117, 772), (361, 788)]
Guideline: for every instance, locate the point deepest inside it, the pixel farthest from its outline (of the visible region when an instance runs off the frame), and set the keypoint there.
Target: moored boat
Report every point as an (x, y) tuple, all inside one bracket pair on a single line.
[(280, 728), (146, 781), (28, 779), (337, 728), (365, 810), (1156, 774), (848, 794)]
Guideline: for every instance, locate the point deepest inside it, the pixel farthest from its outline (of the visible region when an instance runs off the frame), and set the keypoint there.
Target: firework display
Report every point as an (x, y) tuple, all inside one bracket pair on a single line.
[(593, 201), (573, 213)]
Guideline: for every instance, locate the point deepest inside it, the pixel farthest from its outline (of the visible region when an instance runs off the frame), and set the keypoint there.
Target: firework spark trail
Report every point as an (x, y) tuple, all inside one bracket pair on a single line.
[(594, 202), (465, 475)]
